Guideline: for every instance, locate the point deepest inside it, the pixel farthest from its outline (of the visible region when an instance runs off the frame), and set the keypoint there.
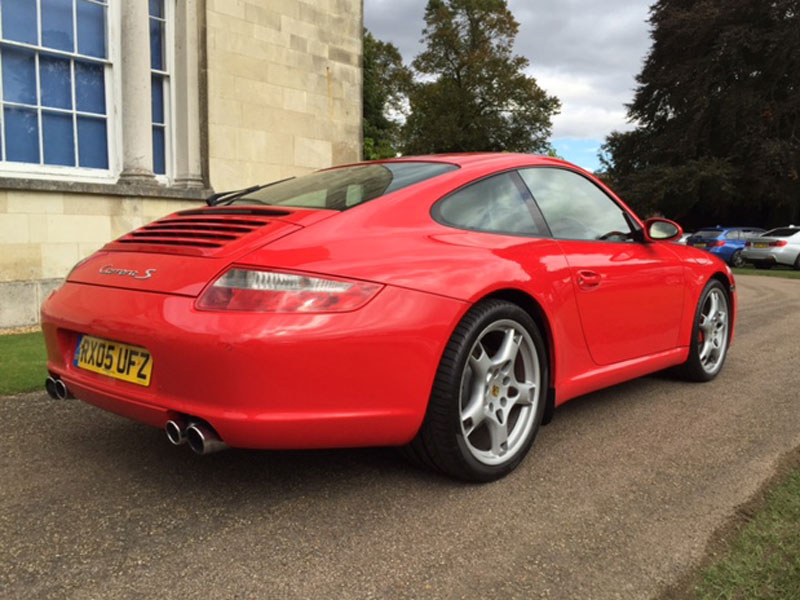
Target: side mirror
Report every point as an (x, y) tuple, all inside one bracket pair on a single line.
[(662, 230)]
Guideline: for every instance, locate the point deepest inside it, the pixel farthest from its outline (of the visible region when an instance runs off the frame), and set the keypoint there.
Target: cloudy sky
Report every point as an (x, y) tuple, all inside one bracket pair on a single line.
[(585, 52)]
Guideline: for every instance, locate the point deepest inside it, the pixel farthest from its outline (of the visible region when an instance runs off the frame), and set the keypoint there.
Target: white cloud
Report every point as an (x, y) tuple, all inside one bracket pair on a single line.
[(588, 108), (585, 52)]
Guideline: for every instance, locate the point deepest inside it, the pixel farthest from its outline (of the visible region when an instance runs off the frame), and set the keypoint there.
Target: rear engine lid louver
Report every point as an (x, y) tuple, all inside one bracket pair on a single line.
[(204, 231), (181, 253)]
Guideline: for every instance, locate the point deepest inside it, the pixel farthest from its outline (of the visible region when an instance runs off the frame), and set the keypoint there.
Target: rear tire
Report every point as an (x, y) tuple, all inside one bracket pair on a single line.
[(737, 260), (797, 263), (488, 395), (710, 335)]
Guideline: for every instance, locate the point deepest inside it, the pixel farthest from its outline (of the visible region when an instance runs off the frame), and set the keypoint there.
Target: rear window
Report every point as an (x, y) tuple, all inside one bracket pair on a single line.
[(782, 232), (708, 233), (343, 188)]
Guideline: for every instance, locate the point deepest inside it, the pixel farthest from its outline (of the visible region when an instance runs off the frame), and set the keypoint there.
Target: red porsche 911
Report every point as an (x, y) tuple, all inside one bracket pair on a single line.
[(445, 304)]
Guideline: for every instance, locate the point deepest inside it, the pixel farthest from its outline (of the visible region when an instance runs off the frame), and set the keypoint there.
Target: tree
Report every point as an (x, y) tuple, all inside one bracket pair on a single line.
[(471, 93), (386, 81), (717, 109)]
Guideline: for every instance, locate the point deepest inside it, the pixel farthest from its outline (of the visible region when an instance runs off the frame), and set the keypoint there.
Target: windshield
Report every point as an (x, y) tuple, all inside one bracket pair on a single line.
[(343, 188)]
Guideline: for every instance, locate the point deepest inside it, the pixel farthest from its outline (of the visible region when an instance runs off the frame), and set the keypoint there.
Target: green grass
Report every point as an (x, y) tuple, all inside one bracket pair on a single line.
[(781, 271), (22, 363), (763, 560)]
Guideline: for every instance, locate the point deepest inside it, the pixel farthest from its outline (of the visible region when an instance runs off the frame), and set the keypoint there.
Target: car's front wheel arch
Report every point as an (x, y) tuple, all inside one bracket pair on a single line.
[(726, 283)]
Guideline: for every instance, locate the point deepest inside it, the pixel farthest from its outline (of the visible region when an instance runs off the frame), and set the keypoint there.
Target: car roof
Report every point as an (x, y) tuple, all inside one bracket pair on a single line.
[(464, 159)]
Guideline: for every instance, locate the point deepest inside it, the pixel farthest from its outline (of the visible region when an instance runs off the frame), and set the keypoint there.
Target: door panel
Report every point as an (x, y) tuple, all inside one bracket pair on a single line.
[(630, 297)]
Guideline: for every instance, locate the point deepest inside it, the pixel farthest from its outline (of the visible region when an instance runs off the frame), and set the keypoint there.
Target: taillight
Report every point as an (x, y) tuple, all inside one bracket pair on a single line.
[(716, 244), (778, 244), (748, 244), (254, 290)]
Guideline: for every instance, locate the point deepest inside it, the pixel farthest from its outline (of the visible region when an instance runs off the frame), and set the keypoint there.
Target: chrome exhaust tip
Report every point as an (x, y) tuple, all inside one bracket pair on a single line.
[(176, 432), (203, 439), (61, 390), (50, 386)]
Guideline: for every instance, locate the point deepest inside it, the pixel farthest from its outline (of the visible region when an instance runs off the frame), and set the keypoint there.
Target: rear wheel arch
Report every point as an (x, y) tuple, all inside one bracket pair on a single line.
[(532, 306)]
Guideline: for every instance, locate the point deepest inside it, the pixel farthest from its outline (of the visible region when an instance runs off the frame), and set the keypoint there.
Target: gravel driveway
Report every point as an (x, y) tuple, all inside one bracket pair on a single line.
[(616, 500)]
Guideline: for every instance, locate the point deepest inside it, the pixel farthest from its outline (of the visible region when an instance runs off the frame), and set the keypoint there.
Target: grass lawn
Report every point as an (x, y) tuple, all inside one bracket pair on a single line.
[(22, 363), (773, 272), (763, 559)]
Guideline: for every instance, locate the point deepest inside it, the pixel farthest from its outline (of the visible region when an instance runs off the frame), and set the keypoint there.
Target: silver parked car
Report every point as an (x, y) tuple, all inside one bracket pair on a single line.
[(779, 246)]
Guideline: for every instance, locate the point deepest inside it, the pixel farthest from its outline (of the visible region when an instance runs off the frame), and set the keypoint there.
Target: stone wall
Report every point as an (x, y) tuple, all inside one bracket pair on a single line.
[(43, 234), (284, 88), (283, 98)]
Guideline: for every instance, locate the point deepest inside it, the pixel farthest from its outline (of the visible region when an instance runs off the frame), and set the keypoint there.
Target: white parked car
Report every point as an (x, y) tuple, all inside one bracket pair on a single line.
[(779, 246)]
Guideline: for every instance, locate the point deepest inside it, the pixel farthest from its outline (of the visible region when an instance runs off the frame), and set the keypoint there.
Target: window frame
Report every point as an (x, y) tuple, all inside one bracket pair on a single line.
[(167, 75), (112, 81), (637, 234), (530, 204)]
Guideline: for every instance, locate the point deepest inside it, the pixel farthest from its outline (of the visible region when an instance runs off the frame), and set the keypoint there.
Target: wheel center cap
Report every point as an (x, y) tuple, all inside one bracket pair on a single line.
[(495, 390)]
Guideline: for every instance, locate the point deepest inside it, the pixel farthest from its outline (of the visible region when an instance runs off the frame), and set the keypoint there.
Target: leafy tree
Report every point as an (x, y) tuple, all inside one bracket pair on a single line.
[(472, 93), (718, 114), (386, 81)]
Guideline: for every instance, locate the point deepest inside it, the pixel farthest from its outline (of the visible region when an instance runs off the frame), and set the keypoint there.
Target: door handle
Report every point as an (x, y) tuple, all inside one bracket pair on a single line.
[(588, 279)]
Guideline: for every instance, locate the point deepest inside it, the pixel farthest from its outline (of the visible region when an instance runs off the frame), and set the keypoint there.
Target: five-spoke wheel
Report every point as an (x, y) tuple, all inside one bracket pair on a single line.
[(488, 396), (710, 334), (500, 387), (712, 337)]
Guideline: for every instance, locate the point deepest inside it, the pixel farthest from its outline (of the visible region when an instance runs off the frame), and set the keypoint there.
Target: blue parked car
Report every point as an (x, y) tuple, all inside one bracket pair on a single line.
[(725, 242)]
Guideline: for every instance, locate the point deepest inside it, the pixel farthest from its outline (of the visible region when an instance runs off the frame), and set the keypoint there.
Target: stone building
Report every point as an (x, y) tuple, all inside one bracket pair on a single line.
[(117, 112)]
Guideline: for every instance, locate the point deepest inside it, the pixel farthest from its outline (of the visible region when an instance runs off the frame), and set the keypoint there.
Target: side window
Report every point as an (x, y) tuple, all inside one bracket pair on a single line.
[(575, 208), (733, 235), (495, 205)]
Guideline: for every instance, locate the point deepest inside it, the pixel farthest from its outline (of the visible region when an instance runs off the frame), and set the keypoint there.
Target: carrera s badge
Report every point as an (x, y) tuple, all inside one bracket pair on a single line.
[(110, 270)]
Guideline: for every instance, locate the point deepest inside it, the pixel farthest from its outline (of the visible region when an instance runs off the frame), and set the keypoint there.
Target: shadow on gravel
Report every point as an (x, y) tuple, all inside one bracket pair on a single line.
[(92, 443), (143, 456)]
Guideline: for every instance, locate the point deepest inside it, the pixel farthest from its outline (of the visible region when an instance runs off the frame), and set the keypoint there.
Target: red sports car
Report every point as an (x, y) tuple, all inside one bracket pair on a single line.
[(446, 304)]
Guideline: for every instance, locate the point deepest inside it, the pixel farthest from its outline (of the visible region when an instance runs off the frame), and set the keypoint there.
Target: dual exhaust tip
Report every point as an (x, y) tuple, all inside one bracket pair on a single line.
[(200, 436), (56, 388)]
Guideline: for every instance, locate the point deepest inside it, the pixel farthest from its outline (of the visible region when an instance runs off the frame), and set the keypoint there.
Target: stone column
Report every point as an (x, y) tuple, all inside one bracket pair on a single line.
[(186, 86), (137, 112)]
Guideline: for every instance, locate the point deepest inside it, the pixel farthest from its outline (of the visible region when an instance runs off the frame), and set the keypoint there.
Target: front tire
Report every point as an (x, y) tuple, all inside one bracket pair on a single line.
[(710, 335), (488, 396)]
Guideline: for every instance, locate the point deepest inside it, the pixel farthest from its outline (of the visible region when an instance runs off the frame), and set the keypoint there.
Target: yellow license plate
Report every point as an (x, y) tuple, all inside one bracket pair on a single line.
[(761, 245), (699, 245), (114, 359)]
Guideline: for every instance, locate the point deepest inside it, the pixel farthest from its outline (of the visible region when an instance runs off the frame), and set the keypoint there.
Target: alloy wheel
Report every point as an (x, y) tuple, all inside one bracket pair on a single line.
[(737, 260), (712, 338), (500, 392)]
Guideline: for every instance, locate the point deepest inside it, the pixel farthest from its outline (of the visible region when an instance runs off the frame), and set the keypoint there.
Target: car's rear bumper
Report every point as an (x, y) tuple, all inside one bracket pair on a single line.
[(775, 256), (262, 380)]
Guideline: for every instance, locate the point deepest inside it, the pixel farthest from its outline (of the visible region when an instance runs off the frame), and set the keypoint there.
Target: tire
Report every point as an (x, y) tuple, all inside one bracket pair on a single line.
[(797, 263), (709, 343), (488, 395), (736, 259), (763, 266)]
